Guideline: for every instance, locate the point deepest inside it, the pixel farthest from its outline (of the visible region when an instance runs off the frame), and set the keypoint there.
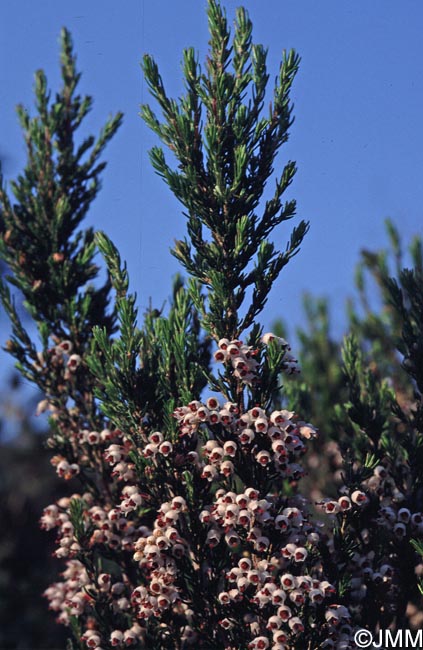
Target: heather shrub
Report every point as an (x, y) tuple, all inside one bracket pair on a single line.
[(181, 434)]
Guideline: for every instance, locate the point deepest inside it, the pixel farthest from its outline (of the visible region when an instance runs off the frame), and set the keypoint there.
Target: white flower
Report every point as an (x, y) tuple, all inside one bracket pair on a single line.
[(263, 458), (359, 498)]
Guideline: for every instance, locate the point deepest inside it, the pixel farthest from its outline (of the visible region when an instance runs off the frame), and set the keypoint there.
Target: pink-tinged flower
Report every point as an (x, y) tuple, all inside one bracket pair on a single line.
[(227, 468), (344, 503), (278, 596), (260, 643), (64, 347), (257, 412), (216, 455), (296, 625), (263, 458), (253, 576), (333, 616), (106, 435), (300, 555), (233, 350), (224, 598), (132, 635), (261, 424), (166, 448), (203, 414), (230, 448), (252, 494), (232, 539), (62, 468), (359, 498), (279, 638), (150, 450), (171, 517), (172, 534), (209, 472), (178, 503), (246, 436), (226, 417), (278, 446), (327, 587), (93, 437), (93, 641), (205, 516), (297, 597), (261, 544), (268, 337), (305, 583), (156, 437), (288, 581), (282, 522), (274, 623), (288, 550), (226, 624), (332, 507), (220, 356), (178, 550), (244, 518), (294, 515), (316, 596), (214, 417), (212, 404), (307, 431), (213, 537), (194, 405), (244, 564), (116, 638), (113, 454), (74, 362)]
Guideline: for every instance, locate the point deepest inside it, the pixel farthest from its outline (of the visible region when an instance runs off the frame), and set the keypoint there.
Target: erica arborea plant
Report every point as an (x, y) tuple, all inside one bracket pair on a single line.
[(185, 523)]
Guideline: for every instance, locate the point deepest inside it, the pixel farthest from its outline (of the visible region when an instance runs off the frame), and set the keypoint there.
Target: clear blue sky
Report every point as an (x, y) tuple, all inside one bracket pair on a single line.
[(357, 138)]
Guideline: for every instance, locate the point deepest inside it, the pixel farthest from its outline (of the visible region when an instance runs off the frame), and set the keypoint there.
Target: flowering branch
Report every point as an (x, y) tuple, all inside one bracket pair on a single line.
[(187, 525)]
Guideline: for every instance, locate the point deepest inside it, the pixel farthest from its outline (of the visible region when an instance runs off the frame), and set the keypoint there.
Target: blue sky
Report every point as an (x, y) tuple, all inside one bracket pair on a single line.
[(357, 137)]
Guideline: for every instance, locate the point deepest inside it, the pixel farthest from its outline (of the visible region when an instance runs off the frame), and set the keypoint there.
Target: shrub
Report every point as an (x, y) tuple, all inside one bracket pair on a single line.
[(187, 524)]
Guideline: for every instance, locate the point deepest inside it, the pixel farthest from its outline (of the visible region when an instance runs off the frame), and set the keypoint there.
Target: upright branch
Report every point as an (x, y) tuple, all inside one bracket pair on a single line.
[(50, 258), (226, 150), (189, 526)]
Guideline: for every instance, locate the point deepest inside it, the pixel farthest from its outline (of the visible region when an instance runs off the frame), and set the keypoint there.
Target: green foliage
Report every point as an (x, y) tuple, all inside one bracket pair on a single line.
[(369, 401), (50, 260), (140, 389), (168, 349), (373, 317), (367, 405), (407, 299), (226, 151), (321, 384)]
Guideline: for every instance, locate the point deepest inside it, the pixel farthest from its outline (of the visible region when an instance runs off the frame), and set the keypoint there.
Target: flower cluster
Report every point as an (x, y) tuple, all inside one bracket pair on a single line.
[(241, 357), (274, 442), (267, 543), (280, 598), (375, 507), (76, 595), (279, 572)]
